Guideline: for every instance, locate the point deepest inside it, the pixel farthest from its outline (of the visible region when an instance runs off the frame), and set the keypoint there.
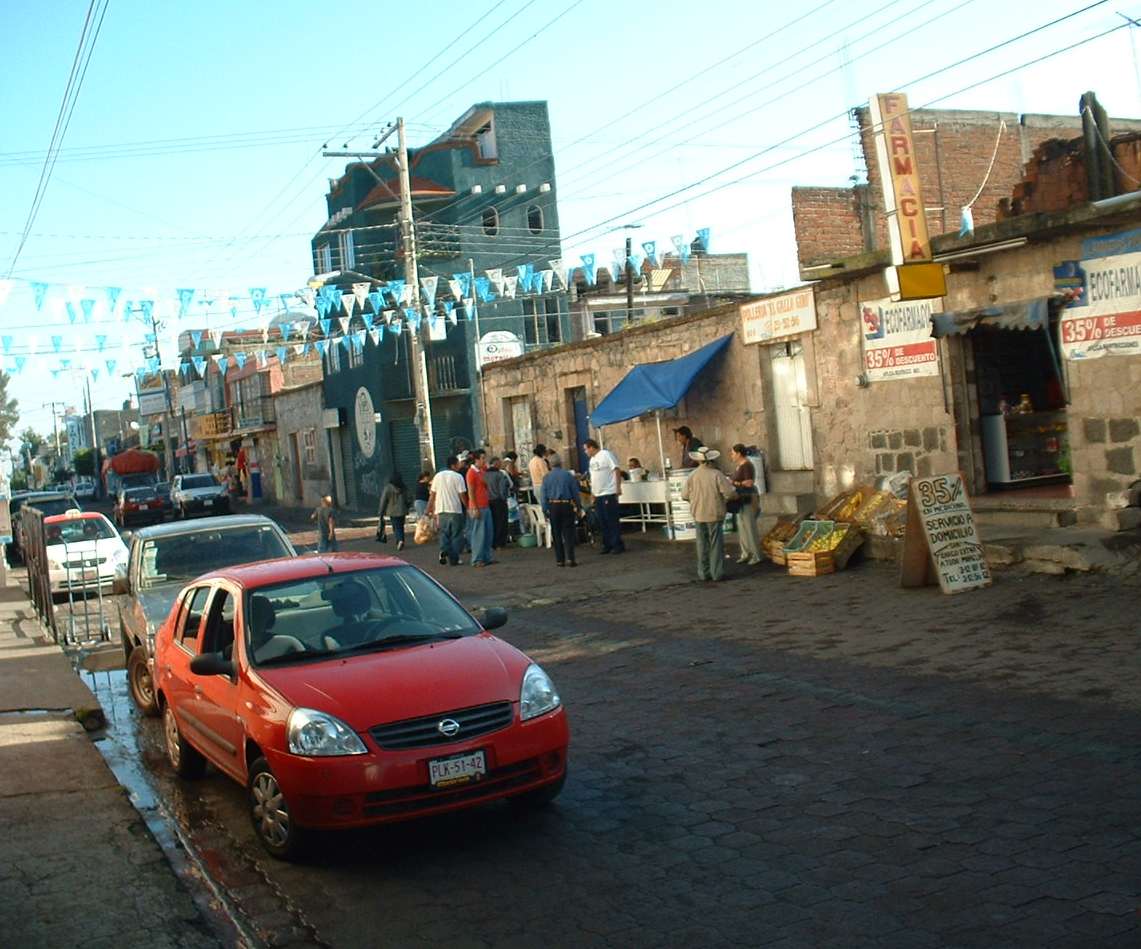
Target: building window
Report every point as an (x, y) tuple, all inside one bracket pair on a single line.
[(531, 324), (554, 326), (348, 251), (535, 219), (309, 441), (485, 141), (602, 323), (334, 355), (323, 262), (490, 222), (356, 356)]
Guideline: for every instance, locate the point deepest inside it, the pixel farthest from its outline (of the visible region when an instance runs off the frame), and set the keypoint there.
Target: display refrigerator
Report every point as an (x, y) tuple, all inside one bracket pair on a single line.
[(1027, 448)]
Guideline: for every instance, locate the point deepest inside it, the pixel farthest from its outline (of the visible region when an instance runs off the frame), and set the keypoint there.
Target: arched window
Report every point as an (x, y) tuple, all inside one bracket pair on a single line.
[(535, 219), (490, 222)]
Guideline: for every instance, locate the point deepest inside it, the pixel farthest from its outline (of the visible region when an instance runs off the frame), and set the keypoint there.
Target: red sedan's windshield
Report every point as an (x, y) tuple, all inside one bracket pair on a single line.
[(354, 612)]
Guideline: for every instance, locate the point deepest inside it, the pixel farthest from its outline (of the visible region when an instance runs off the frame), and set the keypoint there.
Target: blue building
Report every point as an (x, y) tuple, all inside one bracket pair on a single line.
[(484, 199)]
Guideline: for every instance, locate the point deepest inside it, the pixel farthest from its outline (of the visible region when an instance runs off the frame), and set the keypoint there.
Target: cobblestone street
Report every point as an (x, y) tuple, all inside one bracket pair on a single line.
[(773, 761)]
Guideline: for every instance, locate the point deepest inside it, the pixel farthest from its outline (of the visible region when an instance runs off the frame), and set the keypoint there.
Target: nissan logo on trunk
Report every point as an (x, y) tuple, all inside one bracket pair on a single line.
[(448, 727)]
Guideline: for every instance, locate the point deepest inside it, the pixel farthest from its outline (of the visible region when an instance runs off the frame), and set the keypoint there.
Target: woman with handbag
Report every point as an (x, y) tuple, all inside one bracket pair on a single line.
[(746, 506), (394, 503)]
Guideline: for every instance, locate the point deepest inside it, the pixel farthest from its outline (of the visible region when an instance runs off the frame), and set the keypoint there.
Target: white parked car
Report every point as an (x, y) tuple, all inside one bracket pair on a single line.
[(84, 551), (198, 494), (85, 488)]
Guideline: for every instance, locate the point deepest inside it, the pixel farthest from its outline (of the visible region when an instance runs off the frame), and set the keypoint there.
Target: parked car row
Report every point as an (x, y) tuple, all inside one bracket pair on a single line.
[(143, 500), (49, 502), (341, 690)]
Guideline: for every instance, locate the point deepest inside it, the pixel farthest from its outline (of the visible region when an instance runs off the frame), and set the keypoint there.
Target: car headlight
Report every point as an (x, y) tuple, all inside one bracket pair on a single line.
[(538, 695), (317, 734)]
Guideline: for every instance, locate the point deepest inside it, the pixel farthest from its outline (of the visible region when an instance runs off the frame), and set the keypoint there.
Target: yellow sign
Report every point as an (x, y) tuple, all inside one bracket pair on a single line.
[(917, 281), (903, 200)]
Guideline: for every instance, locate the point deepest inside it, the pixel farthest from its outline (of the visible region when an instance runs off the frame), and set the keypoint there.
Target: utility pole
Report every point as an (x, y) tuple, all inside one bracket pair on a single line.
[(411, 280), (55, 426), (629, 280), (94, 436), (481, 434), (168, 409)]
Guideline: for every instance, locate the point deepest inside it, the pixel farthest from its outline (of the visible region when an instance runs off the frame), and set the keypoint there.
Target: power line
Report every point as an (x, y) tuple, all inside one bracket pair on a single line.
[(63, 118)]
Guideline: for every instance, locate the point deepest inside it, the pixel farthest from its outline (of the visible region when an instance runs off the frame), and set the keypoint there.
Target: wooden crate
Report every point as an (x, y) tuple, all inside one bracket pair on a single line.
[(848, 545), (810, 563)]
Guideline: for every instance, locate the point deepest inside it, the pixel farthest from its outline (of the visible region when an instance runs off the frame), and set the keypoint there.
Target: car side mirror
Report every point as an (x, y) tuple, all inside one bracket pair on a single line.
[(211, 664), (493, 617)]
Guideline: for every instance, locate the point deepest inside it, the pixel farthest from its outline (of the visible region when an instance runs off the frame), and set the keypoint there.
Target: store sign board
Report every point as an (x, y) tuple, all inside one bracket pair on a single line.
[(152, 402), (1112, 245), (498, 345), (903, 201), (365, 418), (941, 533), (897, 339), (1104, 317), (779, 318)]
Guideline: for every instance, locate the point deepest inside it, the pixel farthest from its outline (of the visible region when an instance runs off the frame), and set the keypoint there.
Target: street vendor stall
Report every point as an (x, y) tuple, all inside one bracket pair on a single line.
[(654, 388)]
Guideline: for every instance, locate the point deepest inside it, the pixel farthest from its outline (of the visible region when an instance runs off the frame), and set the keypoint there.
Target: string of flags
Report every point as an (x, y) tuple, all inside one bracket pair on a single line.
[(387, 308)]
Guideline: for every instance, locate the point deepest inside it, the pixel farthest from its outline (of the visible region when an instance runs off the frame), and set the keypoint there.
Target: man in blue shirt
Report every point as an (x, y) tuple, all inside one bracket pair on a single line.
[(561, 504)]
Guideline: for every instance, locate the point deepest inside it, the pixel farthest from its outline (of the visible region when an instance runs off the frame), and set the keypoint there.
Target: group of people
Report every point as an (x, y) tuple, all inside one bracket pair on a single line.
[(469, 500)]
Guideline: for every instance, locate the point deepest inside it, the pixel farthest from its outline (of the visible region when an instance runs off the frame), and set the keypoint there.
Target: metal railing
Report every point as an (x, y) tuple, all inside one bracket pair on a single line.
[(253, 413)]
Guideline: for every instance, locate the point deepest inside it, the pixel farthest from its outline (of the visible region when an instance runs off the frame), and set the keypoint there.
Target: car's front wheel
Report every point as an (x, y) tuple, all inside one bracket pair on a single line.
[(141, 682), (269, 812), (186, 760)]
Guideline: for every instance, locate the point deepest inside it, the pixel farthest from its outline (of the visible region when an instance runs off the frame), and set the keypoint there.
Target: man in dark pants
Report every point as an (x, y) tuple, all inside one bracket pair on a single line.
[(561, 504), (498, 489), (605, 484)]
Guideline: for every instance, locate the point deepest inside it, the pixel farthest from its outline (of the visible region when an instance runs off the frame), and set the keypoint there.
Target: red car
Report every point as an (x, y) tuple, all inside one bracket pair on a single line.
[(352, 689)]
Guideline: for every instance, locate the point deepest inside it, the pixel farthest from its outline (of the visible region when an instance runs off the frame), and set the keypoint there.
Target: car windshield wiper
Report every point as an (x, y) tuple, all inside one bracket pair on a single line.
[(401, 639)]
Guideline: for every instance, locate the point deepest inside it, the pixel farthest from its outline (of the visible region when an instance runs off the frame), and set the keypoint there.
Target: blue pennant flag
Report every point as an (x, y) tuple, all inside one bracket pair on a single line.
[(335, 299), (95, 374), (321, 306), (111, 364), (184, 369), (257, 295), (464, 279), (369, 319), (6, 342), (223, 365), (127, 308), (284, 327), (39, 291), (112, 298), (524, 275), (286, 300), (185, 298), (345, 342), (200, 365), (72, 315), (681, 245), (326, 326), (483, 289), (195, 338), (88, 307), (413, 319), (55, 373), (148, 307), (703, 238), (358, 340), (240, 360), (322, 346), (149, 337), (376, 298), (57, 343), (281, 354), (100, 342), (449, 305), (635, 261), (66, 363), (651, 249), (588, 267), (19, 361), (395, 289), (152, 365)]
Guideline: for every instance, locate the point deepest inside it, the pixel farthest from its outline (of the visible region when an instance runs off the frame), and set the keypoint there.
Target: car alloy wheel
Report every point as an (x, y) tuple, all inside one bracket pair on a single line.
[(141, 682), (186, 761), (270, 813)]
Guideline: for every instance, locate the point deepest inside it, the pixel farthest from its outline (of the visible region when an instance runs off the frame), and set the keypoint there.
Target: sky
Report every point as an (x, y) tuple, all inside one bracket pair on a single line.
[(192, 158)]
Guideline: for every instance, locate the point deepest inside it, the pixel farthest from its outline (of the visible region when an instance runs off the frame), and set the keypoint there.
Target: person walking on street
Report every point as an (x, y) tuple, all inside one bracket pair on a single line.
[(707, 490), (326, 525), (689, 443), (394, 503), (447, 500), (605, 485), (423, 488), (479, 510), (499, 489), (537, 467), (562, 504), (745, 481)]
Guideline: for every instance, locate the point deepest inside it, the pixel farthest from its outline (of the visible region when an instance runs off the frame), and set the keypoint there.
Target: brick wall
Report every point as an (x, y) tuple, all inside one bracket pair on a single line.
[(827, 223)]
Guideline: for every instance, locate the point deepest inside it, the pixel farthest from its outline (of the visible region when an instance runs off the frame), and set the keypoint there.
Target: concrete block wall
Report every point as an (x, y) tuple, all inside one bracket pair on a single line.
[(827, 223)]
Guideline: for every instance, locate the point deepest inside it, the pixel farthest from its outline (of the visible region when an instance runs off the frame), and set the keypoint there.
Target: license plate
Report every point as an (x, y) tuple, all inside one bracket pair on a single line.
[(208, 503), (459, 769)]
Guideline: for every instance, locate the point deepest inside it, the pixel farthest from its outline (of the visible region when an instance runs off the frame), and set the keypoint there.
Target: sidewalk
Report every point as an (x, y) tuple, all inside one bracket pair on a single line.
[(78, 867)]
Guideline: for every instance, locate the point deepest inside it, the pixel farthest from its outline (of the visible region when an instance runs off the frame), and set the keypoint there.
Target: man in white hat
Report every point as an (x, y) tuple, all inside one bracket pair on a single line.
[(707, 490)]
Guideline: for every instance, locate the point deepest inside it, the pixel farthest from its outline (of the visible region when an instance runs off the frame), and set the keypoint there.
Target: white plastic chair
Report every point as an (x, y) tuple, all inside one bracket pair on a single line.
[(540, 526)]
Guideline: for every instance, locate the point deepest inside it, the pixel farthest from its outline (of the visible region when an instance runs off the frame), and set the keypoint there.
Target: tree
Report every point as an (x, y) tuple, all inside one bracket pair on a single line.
[(9, 411), (84, 462), (31, 442)]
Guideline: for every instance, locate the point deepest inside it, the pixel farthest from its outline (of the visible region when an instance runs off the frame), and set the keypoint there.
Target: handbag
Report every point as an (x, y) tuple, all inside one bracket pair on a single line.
[(734, 505), (381, 536), (425, 531)]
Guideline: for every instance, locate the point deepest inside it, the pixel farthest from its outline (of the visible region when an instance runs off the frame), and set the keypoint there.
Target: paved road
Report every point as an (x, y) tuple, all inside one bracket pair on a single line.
[(773, 762)]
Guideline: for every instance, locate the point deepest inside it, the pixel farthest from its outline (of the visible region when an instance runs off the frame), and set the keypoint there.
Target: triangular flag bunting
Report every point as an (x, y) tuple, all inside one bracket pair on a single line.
[(703, 238), (282, 354), (111, 364), (360, 292), (39, 291), (457, 288), (257, 297), (185, 298), (348, 301), (344, 322), (240, 360), (195, 339), (495, 275), (560, 270), (428, 289), (200, 365), (216, 338), (88, 307), (374, 335), (509, 285), (376, 301)]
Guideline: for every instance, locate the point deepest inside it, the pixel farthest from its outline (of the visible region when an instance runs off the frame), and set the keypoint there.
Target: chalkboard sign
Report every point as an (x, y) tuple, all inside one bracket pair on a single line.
[(941, 535)]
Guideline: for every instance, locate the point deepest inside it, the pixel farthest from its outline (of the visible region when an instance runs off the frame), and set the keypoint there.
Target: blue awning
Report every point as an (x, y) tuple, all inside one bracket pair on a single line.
[(1024, 315), (655, 385)]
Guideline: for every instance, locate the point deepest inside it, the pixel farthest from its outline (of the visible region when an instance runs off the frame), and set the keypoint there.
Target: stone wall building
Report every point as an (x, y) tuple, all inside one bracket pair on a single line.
[(300, 466)]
